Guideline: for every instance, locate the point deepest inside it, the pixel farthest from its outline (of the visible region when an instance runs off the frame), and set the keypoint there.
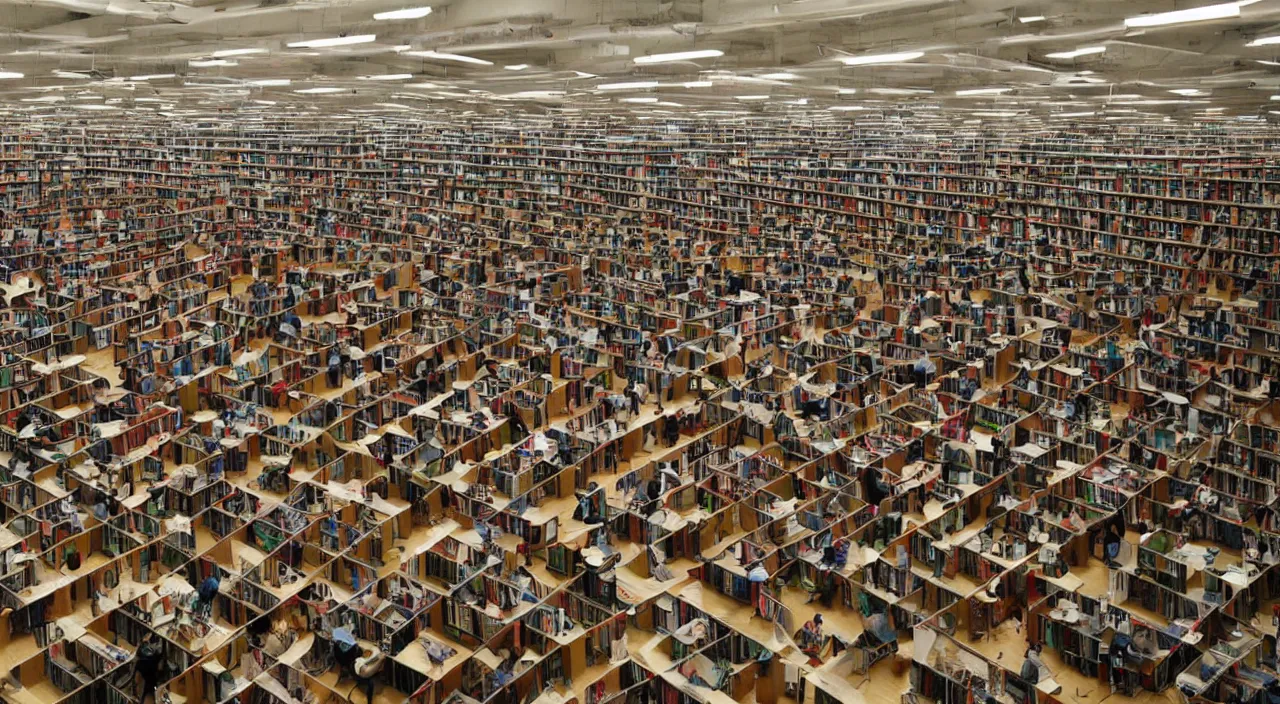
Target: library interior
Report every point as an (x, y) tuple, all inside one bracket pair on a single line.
[(639, 352)]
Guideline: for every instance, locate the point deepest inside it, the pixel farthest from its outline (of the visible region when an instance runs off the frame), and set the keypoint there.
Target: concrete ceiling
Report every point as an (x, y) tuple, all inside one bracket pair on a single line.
[(546, 56)]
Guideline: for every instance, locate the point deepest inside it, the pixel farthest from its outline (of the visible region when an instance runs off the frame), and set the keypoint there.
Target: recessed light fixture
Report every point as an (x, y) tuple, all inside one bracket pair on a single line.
[(870, 59), (634, 85), (334, 41), (983, 91), (679, 56), (1086, 51), (516, 67), (411, 13), (444, 56), (388, 77), (152, 77), (238, 52), (322, 90), (1032, 18), (1195, 14)]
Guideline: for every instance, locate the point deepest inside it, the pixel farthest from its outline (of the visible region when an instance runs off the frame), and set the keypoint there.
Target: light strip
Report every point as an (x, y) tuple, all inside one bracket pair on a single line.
[(388, 77), (752, 97), (881, 58), (634, 85), (207, 63), (334, 41), (1265, 41), (152, 77), (318, 91), (1075, 114), (983, 91), (516, 67), (847, 108), (411, 13), (237, 52), (698, 84), (897, 91), (1195, 14), (679, 56), (10, 74), (442, 56), (638, 100), (1077, 52), (1032, 18), (270, 82)]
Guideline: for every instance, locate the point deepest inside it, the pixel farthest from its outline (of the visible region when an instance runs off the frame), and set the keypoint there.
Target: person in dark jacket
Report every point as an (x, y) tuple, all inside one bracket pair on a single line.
[(346, 651), (149, 666)]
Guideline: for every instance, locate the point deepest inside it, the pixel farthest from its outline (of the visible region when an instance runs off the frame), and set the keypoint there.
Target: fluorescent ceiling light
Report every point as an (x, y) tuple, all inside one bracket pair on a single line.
[(752, 97), (639, 100), (443, 56), (316, 91), (898, 91), (679, 56), (237, 52), (411, 13), (1195, 14), (1077, 52), (45, 99), (265, 102), (207, 63), (388, 77), (847, 91), (270, 82), (516, 67), (334, 41), (983, 91), (1031, 18), (1074, 114), (1186, 91), (1269, 63), (94, 106), (152, 77), (848, 108), (634, 85), (698, 84), (10, 74), (1265, 41), (881, 58), (784, 76)]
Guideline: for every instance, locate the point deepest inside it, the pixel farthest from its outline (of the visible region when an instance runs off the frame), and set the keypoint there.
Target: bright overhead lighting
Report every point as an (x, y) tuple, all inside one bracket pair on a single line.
[(847, 91), (634, 85), (1265, 41), (1269, 63), (752, 97), (411, 13), (1031, 18), (679, 56), (1195, 14), (900, 91), (270, 82), (442, 56), (316, 91), (997, 113), (639, 100), (334, 41), (237, 52), (881, 58), (1075, 114), (847, 108), (152, 77), (70, 74), (516, 67), (388, 77), (983, 91), (94, 106), (1076, 53), (10, 74), (698, 84), (207, 63), (45, 99), (784, 76), (1186, 91)]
